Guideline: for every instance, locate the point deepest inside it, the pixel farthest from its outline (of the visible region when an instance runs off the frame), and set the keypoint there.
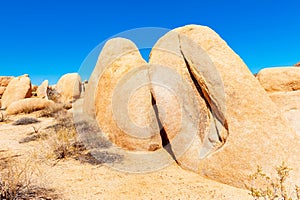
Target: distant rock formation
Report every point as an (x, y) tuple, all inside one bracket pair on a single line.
[(17, 89), (69, 87), (297, 64), (42, 90), (280, 79), (28, 105), (4, 81)]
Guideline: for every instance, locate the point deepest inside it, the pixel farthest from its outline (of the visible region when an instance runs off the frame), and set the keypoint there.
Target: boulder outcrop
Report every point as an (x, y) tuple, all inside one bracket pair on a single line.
[(69, 87), (17, 89)]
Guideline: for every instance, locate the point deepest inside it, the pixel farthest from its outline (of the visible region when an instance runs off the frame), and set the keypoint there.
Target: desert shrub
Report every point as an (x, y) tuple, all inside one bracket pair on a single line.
[(17, 179), (64, 142), (67, 143), (26, 121), (264, 187), (53, 95)]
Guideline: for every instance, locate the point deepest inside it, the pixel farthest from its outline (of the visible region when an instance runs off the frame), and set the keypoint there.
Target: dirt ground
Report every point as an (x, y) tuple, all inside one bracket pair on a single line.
[(72, 179)]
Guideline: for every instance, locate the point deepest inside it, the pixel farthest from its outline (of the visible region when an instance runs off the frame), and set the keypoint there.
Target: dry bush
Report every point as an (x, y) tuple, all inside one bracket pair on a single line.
[(17, 179), (53, 95), (64, 142), (67, 143), (26, 121), (264, 187)]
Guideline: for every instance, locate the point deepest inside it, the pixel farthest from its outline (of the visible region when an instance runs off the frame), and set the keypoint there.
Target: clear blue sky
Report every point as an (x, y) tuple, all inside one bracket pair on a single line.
[(47, 38)]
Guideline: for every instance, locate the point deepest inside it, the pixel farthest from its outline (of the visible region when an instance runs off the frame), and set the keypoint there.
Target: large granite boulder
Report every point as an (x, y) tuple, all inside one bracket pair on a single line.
[(280, 79), (17, 89), (123, 107), (69, 87), (28, 105), (257, 134), (111, 51)]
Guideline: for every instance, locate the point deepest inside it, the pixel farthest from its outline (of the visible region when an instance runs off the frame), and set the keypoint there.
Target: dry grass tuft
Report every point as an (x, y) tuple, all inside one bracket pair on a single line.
[(65, 142), (265, 187), (17, 179)]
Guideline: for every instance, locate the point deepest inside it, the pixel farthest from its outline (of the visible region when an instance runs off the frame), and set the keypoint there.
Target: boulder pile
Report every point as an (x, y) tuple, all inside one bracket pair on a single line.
[(283, 87), (17, 94)]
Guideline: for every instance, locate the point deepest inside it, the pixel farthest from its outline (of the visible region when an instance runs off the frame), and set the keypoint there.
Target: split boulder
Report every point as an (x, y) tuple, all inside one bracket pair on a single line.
[(257, 132)]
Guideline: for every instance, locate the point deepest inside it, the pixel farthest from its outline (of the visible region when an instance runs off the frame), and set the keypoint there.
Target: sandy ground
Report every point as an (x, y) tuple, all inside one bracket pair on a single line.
[(72, 179)]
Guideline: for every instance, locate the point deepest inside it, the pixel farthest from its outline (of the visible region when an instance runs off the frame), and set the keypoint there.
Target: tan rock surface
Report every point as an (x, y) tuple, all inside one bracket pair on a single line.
[(289, 104), (111, 51), (124, 113), (42, 90), (28, 105), (281, 79), (69, 87), (17, 89), (258, 133), (2, 89), (34, 88), (286, 101), (4, 80), (188, 114)]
